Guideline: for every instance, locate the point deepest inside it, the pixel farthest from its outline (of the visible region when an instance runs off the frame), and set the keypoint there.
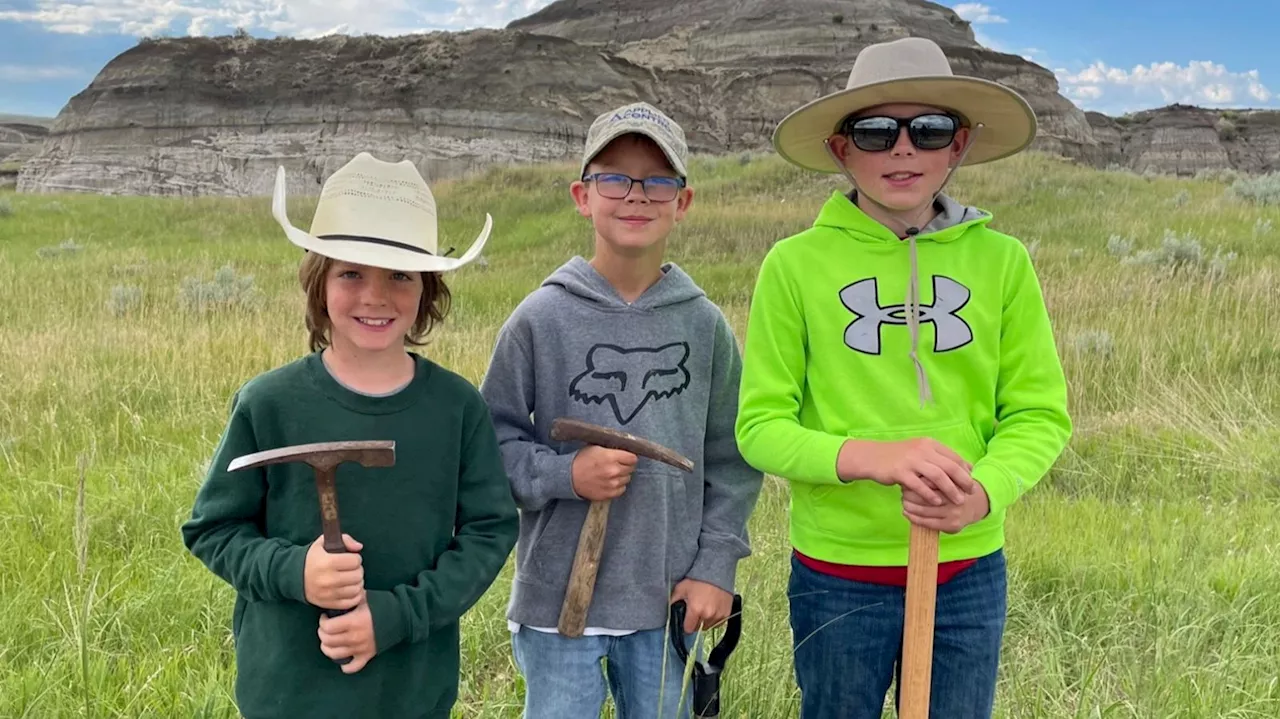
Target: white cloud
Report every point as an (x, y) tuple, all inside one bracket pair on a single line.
[(198, 26), (302, 18), (34, 73), (140, 17), (489, 13), (977, 13), (1203, 83)]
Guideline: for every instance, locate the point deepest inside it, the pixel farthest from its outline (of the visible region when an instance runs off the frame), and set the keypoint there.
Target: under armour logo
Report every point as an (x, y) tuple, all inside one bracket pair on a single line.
[(949, 330)]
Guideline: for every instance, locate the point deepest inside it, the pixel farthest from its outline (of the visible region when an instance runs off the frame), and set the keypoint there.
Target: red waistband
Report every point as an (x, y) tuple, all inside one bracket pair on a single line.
[(892, 576)]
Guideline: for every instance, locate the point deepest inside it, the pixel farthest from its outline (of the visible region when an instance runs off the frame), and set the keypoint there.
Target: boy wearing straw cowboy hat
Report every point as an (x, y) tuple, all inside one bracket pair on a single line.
[(426, 537), (900, 367)]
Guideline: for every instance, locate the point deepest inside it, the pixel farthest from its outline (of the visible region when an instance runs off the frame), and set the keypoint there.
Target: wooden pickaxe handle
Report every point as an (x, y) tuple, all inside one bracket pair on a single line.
[(586, 564), (917, 630), (586, 559)]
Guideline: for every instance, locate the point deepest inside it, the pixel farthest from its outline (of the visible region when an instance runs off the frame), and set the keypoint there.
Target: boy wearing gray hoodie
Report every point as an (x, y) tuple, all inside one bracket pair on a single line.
[(628, 341)]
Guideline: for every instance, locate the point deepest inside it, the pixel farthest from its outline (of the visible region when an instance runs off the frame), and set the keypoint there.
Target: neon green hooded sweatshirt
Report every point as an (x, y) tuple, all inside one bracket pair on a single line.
[(829, 357)]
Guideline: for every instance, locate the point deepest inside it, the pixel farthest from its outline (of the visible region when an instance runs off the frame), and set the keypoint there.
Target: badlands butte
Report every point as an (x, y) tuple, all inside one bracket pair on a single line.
[(216, 116)]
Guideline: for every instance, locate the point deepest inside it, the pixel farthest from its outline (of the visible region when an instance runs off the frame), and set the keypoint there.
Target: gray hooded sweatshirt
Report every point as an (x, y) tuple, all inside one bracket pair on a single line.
[(664, 368)]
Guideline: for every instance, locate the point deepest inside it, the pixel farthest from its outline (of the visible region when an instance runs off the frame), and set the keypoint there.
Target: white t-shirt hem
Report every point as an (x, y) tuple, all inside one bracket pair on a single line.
[(588, 632)]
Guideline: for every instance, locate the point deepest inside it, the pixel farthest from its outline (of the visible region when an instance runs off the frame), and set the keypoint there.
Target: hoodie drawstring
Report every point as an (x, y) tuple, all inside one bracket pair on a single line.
[(912, 304), (913, 320)]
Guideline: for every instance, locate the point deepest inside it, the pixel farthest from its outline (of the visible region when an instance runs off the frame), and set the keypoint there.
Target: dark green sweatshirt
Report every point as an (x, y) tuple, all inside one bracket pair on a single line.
[(436, 528)]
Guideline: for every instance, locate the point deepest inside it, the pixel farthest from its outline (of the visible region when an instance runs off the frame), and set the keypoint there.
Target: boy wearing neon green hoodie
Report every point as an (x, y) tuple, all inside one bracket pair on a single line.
[(899, 368)]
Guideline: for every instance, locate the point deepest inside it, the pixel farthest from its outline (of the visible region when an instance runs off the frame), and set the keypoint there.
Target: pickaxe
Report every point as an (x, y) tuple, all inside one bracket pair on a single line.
[(586, 560), (917, 629), (324, 458)]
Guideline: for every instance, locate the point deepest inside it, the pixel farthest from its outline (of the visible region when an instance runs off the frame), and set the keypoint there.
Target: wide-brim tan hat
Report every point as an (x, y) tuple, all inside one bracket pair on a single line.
[(911, 70), (377, 213)]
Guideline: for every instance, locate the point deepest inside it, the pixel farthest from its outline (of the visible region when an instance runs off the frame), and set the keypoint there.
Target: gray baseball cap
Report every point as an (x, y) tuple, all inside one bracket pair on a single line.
[(641, 118)]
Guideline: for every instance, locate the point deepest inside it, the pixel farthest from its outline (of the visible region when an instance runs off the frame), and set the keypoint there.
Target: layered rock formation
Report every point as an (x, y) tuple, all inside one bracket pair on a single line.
[(759, 59), (20, 139), (1183, 140), (217, 115)]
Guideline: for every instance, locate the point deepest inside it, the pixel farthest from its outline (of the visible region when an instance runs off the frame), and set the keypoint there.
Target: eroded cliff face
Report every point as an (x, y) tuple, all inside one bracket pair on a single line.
[(1183, 140), (762, 58), (19, 141), (217, 115)]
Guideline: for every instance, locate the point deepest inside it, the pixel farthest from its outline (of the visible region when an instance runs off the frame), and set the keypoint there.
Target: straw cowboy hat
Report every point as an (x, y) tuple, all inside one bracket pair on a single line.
[(377, 213), (911, 70)]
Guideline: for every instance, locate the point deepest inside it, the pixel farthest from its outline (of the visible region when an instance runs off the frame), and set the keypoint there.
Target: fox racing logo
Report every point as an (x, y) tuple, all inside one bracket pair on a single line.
[(628, 378)]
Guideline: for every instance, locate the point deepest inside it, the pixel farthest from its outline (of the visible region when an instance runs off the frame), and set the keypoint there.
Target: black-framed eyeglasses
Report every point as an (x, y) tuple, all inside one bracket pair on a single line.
[(616, 186), (877, 133)]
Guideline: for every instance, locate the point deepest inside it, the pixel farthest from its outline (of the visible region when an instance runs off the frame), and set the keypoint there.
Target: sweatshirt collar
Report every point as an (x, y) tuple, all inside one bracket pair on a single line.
[(324, 382), (581, 279), (952, 221)]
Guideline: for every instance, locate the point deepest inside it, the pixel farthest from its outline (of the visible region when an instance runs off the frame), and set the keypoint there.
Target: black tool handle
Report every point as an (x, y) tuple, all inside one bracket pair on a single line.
[(677, 631), (732, 633), (706, 680), (706, 695), (331, 613)]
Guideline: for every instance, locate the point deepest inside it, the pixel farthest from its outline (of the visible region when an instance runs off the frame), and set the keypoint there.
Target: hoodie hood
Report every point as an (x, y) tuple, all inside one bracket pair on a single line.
[(580, 279), (952, 221)]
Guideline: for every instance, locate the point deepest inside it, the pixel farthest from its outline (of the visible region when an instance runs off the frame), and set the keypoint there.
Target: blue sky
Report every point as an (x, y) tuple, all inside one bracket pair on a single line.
[(1112, 56)]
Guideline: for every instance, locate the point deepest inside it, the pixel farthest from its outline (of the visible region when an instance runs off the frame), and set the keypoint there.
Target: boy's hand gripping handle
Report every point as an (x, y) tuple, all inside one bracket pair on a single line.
[(706, 675)]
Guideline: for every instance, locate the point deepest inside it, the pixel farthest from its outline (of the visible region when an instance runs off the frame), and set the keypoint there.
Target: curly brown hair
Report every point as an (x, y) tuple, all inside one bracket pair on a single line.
[(432, 307)]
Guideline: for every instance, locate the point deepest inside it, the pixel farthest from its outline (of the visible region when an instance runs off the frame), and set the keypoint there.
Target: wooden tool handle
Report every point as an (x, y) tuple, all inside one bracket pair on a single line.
[(917, 631), (586, 563), (329, 524)]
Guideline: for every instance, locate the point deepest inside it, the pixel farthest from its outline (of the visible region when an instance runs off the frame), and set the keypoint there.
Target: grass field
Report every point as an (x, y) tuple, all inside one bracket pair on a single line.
[(1144, 572)]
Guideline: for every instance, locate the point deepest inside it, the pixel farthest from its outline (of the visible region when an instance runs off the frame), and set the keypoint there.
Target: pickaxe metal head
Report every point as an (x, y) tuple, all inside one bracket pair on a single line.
[(324, 458), (564, 429)]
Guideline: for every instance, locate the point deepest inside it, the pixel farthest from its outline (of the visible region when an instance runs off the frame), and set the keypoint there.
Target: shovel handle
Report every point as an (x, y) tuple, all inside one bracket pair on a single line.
[(718, 655), (917, 639), (706, 677)]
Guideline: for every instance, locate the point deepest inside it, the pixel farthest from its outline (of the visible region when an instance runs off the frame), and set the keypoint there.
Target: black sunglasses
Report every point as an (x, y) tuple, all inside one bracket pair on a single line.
[(877, 133)]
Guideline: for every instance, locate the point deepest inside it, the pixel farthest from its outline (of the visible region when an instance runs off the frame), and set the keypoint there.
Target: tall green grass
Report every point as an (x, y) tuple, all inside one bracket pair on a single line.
[(1145, 576)]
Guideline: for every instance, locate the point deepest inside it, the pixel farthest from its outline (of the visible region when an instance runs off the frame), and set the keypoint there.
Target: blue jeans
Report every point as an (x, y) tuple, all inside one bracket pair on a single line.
[(847, 642), (564, 678)]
